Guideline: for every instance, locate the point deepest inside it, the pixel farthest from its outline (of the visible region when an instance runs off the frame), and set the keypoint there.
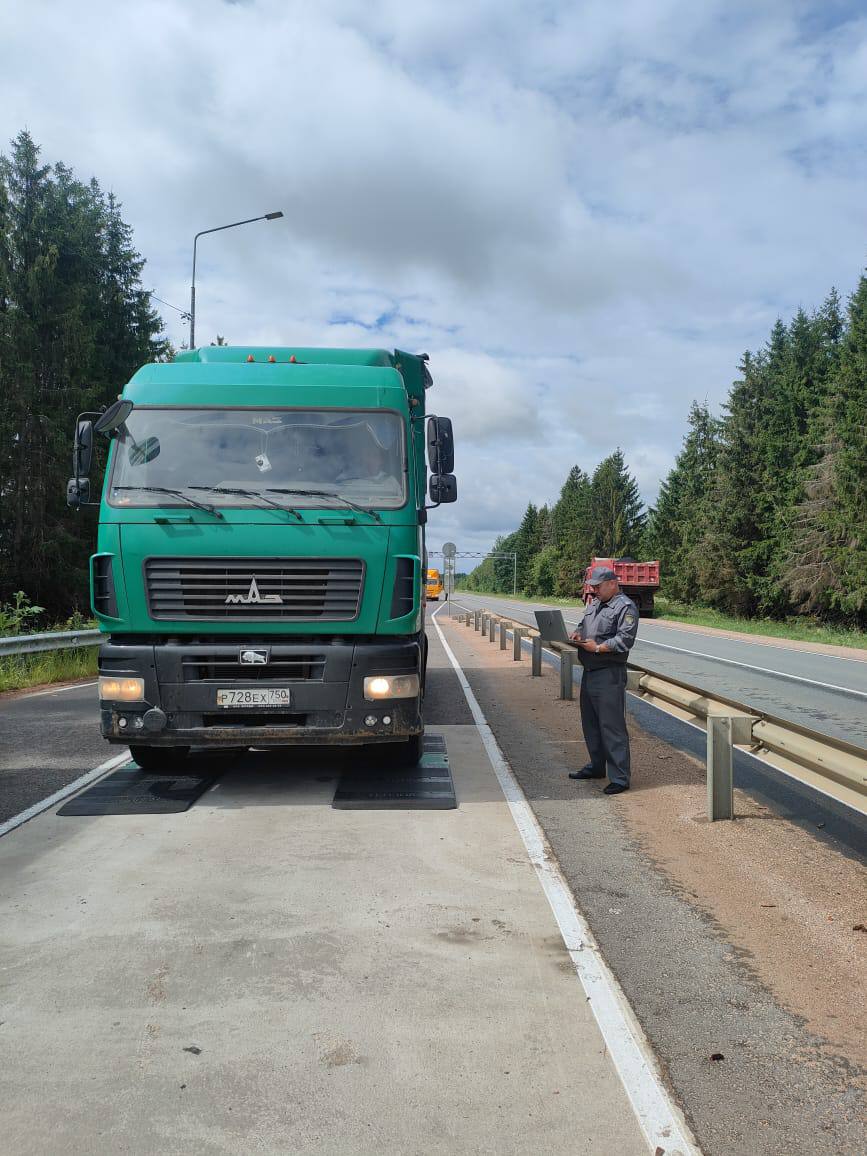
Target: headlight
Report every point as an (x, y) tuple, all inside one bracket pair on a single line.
[(122, 689), (390, 686)]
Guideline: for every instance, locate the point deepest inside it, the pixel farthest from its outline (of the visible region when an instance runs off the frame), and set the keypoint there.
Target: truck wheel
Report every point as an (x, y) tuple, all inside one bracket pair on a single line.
[(158, 758), (408, 754)]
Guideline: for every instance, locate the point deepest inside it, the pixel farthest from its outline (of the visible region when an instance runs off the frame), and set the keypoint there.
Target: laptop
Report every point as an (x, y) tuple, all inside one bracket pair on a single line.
[(551, 625)]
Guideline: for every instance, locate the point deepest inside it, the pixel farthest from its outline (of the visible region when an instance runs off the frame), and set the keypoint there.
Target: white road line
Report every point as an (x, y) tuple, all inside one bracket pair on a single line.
[(56, 690), (750, 666), (760, 669), (63, 793), (660, 1120), (761, 640), (650, 625)]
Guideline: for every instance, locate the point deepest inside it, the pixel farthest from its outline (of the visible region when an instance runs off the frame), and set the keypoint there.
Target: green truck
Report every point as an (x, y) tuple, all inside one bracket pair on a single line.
[(260, 561)]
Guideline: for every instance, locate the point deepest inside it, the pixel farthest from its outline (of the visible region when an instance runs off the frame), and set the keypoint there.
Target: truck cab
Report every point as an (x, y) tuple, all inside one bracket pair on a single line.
[(258, 572)]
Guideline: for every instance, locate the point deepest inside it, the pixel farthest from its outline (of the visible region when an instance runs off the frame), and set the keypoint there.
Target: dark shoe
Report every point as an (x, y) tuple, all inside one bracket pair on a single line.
[(587, 773), (615, 789)]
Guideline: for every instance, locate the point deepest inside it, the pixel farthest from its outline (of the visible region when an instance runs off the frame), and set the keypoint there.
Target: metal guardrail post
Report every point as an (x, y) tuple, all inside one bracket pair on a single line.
[(477, 618), (492, 628), (567, 665), (536, 643), (517, 648), (820, 761), (720, 783), (503, 636)]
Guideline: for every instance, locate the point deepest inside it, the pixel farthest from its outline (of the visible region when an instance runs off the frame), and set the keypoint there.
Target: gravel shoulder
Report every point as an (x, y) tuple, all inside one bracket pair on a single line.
[(730, 939)]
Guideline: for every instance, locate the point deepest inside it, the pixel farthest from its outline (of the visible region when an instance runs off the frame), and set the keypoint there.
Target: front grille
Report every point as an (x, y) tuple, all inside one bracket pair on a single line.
[(254, 589), (281, 668), (254, 720)]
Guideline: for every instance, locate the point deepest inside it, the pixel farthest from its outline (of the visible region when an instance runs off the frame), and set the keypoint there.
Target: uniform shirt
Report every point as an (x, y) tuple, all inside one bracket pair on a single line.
[(615, 623)]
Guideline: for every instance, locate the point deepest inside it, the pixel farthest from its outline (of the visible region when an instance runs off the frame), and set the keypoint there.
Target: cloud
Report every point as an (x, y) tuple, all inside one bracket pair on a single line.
[(584, 213)]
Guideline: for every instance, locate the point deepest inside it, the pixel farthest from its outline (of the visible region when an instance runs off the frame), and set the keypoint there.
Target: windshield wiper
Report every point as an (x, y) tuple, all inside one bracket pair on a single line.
[(247, 494), (326, 494), (177, 494)]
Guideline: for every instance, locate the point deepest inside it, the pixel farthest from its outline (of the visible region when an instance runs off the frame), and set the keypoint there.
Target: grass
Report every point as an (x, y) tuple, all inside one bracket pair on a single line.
[(792, 629), (18, 671)]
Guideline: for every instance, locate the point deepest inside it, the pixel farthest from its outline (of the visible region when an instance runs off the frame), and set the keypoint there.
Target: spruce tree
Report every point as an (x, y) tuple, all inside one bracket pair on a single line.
[(849, 416), (726, 563), (526, 543), (617, 510), (677, 522), (75, 323), (573, 533)]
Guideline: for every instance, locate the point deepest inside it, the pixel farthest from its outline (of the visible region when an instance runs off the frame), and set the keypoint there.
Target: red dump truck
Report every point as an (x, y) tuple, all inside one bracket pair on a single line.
[(638, 580)]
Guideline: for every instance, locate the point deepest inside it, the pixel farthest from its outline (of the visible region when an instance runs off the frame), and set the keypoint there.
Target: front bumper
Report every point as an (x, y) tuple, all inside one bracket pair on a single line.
[(325, 679)]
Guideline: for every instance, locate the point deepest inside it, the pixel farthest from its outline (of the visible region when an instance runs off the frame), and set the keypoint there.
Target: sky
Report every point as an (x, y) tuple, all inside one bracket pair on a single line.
[(584, 212)]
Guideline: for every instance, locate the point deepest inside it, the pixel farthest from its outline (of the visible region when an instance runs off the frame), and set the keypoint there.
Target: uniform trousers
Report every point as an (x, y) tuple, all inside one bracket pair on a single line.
[(603, 720)]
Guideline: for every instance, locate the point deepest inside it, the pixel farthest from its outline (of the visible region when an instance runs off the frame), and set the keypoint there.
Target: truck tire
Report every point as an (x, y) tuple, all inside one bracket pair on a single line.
[(158, 758), (407, 754)]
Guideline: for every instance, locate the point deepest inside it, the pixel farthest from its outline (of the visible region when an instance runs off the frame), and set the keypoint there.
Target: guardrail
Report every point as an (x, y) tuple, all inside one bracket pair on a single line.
[(53, 640), (836, 768)]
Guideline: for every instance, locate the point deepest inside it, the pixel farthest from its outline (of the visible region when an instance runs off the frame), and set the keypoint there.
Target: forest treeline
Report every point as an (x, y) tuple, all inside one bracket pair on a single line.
[(75, 322), (765, 510)]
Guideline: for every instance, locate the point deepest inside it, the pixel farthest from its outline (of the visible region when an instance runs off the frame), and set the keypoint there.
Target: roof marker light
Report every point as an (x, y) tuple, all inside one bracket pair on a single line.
[(250, 357), (271, 358), (293, 358)]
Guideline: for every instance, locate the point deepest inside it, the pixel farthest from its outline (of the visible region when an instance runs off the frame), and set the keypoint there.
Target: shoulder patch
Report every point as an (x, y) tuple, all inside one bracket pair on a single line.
[(629, 619)]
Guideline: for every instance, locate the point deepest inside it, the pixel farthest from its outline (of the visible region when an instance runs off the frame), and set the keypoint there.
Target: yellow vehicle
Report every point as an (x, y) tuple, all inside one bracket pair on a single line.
[(434, 585)]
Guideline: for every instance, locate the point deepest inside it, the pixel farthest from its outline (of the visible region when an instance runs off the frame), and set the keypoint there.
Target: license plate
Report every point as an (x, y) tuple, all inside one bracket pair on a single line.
[(266, 696)]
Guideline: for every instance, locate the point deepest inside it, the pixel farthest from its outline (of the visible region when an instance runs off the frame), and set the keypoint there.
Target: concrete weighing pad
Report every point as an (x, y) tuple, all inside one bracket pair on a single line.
[(132, 791), (428, 786), (266, 974)]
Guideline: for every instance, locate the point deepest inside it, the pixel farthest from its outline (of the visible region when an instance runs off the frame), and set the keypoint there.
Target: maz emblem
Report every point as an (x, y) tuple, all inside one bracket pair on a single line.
[(254, 657), (251, 597)]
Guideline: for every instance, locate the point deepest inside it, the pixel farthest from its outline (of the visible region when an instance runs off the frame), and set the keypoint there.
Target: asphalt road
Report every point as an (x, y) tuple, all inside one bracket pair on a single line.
[(823, 692), (47, 740), (390, 972)]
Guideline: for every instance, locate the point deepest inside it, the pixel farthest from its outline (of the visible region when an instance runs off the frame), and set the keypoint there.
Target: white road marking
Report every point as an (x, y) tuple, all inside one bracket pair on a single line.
[(749, 665), (660, 1120), (760, 669), (56, 689), (759, 640), (64, 793)]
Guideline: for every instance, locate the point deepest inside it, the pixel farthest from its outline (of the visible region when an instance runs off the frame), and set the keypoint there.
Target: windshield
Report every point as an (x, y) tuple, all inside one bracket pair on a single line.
[(263, 456)]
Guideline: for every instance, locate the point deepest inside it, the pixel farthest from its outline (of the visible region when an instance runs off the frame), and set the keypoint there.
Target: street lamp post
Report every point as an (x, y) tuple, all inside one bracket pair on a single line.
[(219, 229)]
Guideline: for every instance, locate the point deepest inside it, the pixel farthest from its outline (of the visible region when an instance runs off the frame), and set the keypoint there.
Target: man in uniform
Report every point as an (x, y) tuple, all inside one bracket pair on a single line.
[(604, 639)]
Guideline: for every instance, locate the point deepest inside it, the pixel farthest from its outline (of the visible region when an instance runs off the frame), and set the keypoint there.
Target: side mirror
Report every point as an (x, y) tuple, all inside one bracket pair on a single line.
[(82, 452), (443, 488), (78, 492), (113, 418), (440, 445)]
